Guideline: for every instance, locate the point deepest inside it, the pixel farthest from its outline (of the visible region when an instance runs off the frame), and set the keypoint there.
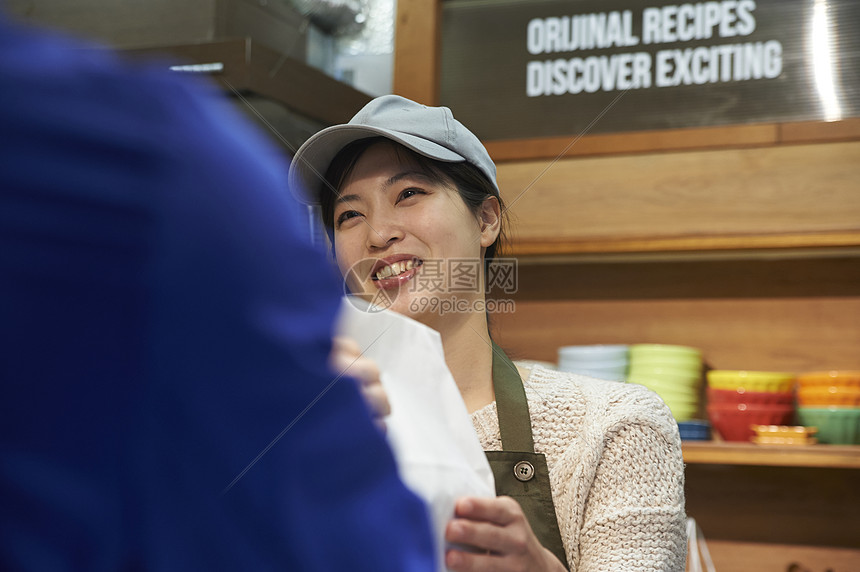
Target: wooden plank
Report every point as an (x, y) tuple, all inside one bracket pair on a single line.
[(231, 52), (832, 456), (781, 196), (758, 278), (778, 505), (738, 243), (416, 50), (796, 334), (731, 556), (632, 142), (258, 68), (818, 131), (731, 136)]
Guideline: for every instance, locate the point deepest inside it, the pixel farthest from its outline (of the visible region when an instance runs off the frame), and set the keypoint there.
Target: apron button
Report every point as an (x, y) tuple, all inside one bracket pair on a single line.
[(524, 471)]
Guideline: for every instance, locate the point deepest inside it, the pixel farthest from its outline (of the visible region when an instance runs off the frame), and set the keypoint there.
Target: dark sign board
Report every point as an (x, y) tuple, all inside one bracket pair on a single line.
[(516, 69)]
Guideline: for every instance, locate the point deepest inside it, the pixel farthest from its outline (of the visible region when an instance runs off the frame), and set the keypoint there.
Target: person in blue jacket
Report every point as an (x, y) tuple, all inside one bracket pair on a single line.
[(165, 397)]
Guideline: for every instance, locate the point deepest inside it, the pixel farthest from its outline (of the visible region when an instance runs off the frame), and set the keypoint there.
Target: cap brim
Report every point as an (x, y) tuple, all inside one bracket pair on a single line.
[(309, 166)]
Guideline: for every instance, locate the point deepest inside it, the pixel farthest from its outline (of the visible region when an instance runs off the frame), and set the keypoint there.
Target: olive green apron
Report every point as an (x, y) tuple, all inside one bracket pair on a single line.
[(519, 471)]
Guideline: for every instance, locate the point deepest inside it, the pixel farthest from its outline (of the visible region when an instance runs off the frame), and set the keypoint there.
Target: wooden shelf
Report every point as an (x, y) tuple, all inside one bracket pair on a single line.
[(250, 66), (807, 245), (820, 456), (716, 137)]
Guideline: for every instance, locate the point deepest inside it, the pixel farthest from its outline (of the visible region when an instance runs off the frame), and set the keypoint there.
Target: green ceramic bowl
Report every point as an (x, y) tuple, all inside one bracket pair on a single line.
[(836, 425)]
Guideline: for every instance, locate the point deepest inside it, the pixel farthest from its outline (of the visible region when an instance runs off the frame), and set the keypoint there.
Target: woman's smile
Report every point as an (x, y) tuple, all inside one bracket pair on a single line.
[(393, 271)]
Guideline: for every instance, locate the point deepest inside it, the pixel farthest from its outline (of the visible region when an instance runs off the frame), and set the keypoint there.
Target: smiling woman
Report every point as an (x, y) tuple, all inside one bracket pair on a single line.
[(588, 473), (385, 191)]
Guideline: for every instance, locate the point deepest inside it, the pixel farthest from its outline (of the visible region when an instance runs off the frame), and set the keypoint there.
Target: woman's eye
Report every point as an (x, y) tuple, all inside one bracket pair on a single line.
[(407, 193), (346, 215)]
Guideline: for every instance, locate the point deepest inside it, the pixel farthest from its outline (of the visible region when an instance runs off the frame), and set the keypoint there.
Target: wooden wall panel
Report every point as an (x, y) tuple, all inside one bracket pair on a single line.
[(416, 50), (760, 277), (785, 505), (783, 313), (633, 142), (730, 136), (737, 192), (786, 334), (806, 131), (765, 557)]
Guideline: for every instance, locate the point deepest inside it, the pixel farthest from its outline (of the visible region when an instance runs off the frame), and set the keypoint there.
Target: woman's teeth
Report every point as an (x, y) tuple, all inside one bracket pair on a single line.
[(395, 269)]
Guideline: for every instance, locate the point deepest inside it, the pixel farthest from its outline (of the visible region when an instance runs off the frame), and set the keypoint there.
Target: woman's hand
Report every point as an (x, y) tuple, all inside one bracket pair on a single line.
[(499, 531), (346, 359)]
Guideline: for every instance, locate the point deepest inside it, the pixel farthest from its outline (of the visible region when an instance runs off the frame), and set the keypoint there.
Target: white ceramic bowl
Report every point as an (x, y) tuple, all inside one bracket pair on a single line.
[(613, 375), (597, 351), (595, 363)]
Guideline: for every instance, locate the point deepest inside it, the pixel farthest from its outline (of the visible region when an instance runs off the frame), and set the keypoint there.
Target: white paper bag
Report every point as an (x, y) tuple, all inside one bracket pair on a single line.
[(437, 451), (698, 556)]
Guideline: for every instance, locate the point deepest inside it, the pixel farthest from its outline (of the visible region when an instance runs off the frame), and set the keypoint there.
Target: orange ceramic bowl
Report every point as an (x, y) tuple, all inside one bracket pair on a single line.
[(825, 396), (741, 395), (734, 422), (828, 378)]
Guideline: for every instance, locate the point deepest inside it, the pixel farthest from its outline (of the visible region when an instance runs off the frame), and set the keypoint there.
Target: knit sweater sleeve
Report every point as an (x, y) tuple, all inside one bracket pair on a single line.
[(633, 518), (617, 475)]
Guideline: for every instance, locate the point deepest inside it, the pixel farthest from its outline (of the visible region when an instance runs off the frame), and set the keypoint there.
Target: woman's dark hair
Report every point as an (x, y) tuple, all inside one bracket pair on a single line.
[(472, 185)]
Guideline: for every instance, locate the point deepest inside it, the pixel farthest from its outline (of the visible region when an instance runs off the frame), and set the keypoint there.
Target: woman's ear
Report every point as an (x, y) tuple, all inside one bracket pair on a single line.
[(490, 217)]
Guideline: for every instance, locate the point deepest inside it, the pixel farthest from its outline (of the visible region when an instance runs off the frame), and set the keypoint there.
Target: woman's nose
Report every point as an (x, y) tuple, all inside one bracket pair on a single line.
[(383, 234)]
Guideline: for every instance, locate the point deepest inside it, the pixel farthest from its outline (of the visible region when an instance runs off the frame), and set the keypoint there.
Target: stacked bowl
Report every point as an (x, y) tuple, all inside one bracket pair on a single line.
[(739, 399), (830, 401), (673, 372), (601, 361)]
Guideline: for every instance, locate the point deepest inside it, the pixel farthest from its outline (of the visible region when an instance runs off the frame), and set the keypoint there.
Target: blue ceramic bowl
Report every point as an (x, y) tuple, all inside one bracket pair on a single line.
[(695, 430)]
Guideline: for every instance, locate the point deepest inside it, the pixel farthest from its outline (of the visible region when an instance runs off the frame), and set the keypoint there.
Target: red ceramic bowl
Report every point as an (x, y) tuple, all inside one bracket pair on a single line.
[(734, 422), (740, 395)]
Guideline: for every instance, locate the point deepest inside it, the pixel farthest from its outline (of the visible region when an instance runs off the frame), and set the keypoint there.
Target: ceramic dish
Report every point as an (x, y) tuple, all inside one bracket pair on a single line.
[(694, 430), (734, 422), (763, 381), (825, 396), (741, 395), (828, 378), (836, 425)]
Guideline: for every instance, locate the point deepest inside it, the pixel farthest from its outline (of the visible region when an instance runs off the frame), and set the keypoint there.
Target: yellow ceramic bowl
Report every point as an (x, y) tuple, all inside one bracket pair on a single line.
[(664, 351), (683, 362), (763, 381)]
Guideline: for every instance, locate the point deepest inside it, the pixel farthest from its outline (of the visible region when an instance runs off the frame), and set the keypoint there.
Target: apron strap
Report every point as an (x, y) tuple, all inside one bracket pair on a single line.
[(511, 403), (519, 472)]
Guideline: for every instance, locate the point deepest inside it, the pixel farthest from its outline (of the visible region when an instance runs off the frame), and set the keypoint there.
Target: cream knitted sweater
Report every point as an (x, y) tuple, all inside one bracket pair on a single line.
[(617, 476)]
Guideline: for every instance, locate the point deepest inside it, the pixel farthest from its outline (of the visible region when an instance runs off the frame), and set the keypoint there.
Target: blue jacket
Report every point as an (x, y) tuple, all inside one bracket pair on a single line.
[(164, 329)]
